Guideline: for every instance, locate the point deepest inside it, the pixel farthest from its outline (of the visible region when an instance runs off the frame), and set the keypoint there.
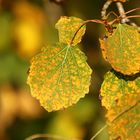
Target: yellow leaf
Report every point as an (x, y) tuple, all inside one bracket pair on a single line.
[(121, 97), (122, 49), (67, 27), (59, 76)]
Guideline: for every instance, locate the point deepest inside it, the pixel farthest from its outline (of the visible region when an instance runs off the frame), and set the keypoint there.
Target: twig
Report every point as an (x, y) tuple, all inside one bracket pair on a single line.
[(84, 23), (105, 126), (35, 136), (133, 16), (128, 17), (122, 12), (104, 9), (123, 15), (132, 10)]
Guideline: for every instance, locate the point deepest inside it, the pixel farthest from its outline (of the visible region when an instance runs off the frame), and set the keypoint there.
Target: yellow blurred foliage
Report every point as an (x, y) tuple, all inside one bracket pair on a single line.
[(28, 28), (16, 103), (64, 125), (28, 38)]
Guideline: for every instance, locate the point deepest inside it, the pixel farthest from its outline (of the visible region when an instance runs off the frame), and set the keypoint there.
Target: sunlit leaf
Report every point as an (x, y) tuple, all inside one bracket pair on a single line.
[(121, 97), (59, 76), (122, 49), (67, 27), (127, 124)]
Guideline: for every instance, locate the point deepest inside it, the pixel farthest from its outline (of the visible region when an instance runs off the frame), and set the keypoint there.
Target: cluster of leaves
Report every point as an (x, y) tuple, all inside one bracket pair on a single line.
[(120, 90), (59, 75)]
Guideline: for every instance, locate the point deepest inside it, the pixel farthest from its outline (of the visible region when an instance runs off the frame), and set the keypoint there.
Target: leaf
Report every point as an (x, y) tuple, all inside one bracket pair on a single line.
[(121, 97), (122, 49), (127, 125), (67, 27), (59, 76)]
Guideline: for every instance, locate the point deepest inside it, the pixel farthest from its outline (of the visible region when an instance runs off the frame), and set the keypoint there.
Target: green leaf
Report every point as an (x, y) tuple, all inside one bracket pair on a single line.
[(59, 76), (67, 27), (122, 49), (121, 97)]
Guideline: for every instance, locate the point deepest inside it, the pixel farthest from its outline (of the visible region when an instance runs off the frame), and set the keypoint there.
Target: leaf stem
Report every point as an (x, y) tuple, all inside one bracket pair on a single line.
[(122, 16), (84, 23)]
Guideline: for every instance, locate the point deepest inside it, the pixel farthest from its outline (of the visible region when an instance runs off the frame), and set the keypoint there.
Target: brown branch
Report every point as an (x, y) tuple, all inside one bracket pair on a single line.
[(84, 23), (132, 10), (128, 17), (124, 18)]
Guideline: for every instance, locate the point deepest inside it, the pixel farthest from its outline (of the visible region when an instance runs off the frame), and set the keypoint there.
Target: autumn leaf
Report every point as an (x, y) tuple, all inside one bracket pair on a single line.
[(122, 49), (59, 76), (126, 126), (67, 27), (121, 97)]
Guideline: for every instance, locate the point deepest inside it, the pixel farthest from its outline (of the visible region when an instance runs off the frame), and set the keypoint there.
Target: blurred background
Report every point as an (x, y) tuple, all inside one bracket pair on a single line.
[(26, 26)]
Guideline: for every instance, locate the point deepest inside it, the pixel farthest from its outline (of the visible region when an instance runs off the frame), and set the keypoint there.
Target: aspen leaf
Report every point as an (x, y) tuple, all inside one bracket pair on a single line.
[(122, 49), (67, 27), (121, 97), (126, 126), (59, 76)]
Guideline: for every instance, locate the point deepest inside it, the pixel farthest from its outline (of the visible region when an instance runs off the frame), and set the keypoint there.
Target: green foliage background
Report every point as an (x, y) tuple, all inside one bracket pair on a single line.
[(25, 26)]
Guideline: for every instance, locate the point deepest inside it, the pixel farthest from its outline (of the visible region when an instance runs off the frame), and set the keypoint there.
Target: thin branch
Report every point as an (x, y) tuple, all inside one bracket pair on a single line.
[(128, 17), (122, 12), (104, 9), (105, 126), (132, 10), (84, 23), (35, 136), (133, 16), (125, 18)]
